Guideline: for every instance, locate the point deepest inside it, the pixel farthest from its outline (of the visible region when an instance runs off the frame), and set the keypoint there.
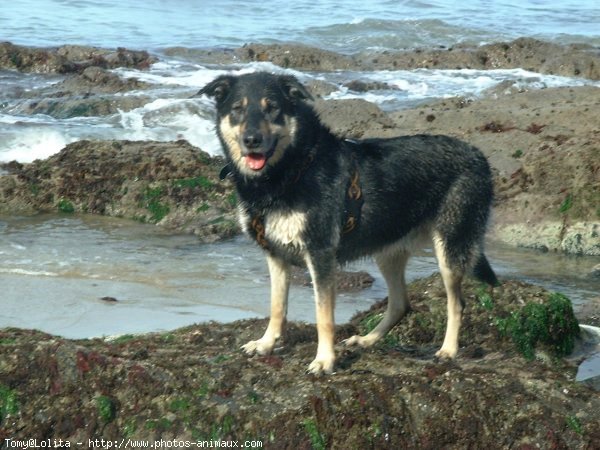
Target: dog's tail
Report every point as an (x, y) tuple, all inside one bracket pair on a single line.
[(484, 272)]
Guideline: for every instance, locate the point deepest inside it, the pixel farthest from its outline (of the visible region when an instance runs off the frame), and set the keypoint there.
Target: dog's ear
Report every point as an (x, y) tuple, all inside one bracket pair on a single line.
[(293, 89), (219, 88)]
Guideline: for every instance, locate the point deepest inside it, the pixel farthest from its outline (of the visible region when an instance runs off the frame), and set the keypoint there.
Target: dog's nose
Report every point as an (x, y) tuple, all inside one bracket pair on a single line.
[(253, 139)]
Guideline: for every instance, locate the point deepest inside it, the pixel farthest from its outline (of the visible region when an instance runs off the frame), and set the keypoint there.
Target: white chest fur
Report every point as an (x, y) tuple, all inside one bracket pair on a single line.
[(282, 228), (286, 228)]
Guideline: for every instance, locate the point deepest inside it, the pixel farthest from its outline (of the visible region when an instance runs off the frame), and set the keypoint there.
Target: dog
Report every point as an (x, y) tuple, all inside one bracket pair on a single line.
[(308, 197)]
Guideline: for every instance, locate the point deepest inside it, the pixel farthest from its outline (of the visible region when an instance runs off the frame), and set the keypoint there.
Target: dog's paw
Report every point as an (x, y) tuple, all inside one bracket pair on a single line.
[(445, 353), (359, 341), (321, 366), (259, 347)]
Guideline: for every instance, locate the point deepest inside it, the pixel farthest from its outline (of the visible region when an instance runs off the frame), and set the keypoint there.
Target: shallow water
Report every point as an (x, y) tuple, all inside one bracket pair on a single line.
[(55, 270)]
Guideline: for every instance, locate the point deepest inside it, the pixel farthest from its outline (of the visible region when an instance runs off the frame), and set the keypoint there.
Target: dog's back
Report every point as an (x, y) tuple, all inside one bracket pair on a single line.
[(411, 183)]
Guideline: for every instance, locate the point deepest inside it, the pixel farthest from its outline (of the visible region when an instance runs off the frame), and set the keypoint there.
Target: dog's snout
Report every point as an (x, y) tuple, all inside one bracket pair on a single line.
[(253, 139)]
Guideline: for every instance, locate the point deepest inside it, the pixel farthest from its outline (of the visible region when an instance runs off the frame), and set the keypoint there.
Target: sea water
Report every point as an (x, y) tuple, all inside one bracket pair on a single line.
[(343, 26)]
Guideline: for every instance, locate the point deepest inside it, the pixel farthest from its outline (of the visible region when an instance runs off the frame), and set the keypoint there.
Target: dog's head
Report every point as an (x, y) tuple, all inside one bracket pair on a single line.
[(256, 118)]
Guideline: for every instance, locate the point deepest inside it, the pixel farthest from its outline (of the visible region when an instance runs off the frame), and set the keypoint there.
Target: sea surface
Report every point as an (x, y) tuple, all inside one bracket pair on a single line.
[(346, 26)]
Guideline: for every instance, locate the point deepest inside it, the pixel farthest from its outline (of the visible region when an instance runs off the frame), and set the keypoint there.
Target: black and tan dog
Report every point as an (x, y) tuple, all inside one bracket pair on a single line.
[(308, 197)]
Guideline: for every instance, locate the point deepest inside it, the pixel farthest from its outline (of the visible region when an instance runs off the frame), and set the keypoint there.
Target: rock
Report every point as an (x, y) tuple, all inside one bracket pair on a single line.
[(195, 383), (573, 60), (91, 93), (580, 238), (364, 86), (174, 184), (67, 106), (69, 58), (296, 56), (544, 156), (595, 272), (353, 118), (346, 281)]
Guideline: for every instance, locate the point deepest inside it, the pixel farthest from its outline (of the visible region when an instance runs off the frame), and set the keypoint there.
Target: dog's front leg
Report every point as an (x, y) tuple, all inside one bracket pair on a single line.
[(322, 267), (279, 271)]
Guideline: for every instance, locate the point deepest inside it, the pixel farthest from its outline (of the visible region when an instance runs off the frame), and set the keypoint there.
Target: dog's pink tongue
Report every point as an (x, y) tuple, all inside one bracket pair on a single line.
[(256, 161)]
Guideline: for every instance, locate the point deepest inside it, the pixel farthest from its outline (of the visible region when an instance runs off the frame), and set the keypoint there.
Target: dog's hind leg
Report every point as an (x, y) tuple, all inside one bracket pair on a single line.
[(452, 275), (322, 270), (279, 271), (392, 268)]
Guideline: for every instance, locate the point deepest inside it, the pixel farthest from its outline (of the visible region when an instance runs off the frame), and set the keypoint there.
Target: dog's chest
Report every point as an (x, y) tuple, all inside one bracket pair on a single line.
[(286, 229)]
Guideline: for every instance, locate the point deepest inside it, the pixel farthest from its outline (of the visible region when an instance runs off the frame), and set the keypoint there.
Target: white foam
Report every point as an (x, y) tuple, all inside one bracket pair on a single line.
[(33, 143), (424, 83), (172, 119), (175, 73)]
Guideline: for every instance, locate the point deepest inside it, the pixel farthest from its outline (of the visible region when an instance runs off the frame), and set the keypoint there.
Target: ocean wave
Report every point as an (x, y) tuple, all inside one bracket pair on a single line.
[(169, 120), (29, 272), (380, 34), (35, 142), (408, 86)]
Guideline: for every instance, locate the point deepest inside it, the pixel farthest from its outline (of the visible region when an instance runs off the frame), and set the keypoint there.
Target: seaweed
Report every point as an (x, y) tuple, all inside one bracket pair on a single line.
[(9, 404), (552, 324)]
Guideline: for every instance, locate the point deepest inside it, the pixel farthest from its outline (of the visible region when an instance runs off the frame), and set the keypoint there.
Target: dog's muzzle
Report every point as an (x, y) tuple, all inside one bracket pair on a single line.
[(256, 153)]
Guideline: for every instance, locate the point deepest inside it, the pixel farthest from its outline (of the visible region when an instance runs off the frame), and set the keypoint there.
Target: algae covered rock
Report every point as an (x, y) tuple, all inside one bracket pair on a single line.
[(195, 384), (170, 183)]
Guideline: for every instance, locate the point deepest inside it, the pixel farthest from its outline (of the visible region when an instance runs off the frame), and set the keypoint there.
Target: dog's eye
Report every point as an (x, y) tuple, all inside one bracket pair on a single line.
[(271, 109), (237, 109)]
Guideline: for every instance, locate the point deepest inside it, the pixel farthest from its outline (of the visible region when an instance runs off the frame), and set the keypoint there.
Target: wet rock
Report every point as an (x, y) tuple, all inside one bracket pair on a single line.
[(296, 56), (90, 93), (98, 80), (66, 106), (195, 383), (573, 60), (526, 53), (578, 238), (347, 281), (69, 58)]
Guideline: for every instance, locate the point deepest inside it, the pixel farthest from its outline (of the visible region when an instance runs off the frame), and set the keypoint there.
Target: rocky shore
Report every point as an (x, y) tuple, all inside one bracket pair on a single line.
[(194, 384)]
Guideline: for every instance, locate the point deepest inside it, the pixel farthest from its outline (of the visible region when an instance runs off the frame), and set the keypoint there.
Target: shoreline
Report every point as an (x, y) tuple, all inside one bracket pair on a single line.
[(570, 60), (542, 144)]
